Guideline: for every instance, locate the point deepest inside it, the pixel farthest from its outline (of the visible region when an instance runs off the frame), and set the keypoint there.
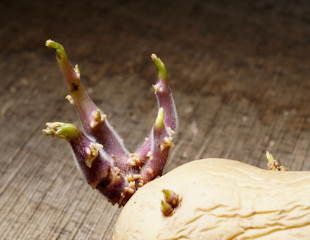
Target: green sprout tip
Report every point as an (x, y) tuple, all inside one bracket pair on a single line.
[(67, 131), (162, 71), (60, 50)]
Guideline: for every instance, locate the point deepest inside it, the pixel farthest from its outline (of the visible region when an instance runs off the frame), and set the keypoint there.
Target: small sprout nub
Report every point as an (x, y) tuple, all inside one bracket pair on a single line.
[(129, 190), (130, 178), (159, 122), (171, 198), (134, 160), (77, 71), (70, 99), (170, 203), (140, 183), (166, 209), (134, 181), (149, 155), (156, 88), (132, 184), (98, 117), (162, 71), (167, 143), (92, 153), (170, 131), (273, 164), (67, 131), (137, 176)]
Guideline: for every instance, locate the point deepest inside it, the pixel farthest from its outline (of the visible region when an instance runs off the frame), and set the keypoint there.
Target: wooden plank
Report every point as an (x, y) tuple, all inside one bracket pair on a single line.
[(241, 88)]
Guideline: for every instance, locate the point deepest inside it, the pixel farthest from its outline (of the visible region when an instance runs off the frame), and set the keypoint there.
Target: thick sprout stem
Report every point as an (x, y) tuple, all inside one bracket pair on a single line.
[(273, 164), (78, 95), (160, 144), (93, 120), (96, 165), (165, 102), (71, 75), (163, 94)]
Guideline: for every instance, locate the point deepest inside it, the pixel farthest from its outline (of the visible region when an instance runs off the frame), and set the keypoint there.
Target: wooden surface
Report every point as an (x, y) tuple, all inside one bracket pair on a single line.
[(241, 81)]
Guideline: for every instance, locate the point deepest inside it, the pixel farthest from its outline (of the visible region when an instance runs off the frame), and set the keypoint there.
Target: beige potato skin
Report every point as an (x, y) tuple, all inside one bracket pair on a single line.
[(221, 200)]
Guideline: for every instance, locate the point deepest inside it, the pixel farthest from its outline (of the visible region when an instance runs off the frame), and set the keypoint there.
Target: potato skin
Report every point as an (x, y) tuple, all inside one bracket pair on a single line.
[(221, 200)]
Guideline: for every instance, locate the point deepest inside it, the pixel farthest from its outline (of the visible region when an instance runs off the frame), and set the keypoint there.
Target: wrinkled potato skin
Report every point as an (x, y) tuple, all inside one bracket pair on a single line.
[(221, 200)]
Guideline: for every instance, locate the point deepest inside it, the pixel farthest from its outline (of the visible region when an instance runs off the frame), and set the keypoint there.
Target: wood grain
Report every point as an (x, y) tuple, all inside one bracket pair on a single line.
[(240, 74)]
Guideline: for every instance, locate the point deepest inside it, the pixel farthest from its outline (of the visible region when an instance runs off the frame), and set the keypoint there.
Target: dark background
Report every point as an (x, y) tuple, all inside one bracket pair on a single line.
[(239, 71)]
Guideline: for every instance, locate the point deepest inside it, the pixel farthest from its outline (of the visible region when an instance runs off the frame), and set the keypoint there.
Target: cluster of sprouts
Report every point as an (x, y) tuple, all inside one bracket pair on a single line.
[(99, 151)]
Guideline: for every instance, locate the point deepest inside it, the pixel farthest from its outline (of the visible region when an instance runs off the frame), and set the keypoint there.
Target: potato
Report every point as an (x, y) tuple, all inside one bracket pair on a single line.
[(220, 200)]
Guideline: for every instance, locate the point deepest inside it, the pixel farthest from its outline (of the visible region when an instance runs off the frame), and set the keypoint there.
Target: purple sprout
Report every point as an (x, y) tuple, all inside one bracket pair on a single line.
[(100, 152)]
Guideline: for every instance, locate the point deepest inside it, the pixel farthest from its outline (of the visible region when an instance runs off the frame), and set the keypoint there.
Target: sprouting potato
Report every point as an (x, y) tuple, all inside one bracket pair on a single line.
[(208, 199)]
